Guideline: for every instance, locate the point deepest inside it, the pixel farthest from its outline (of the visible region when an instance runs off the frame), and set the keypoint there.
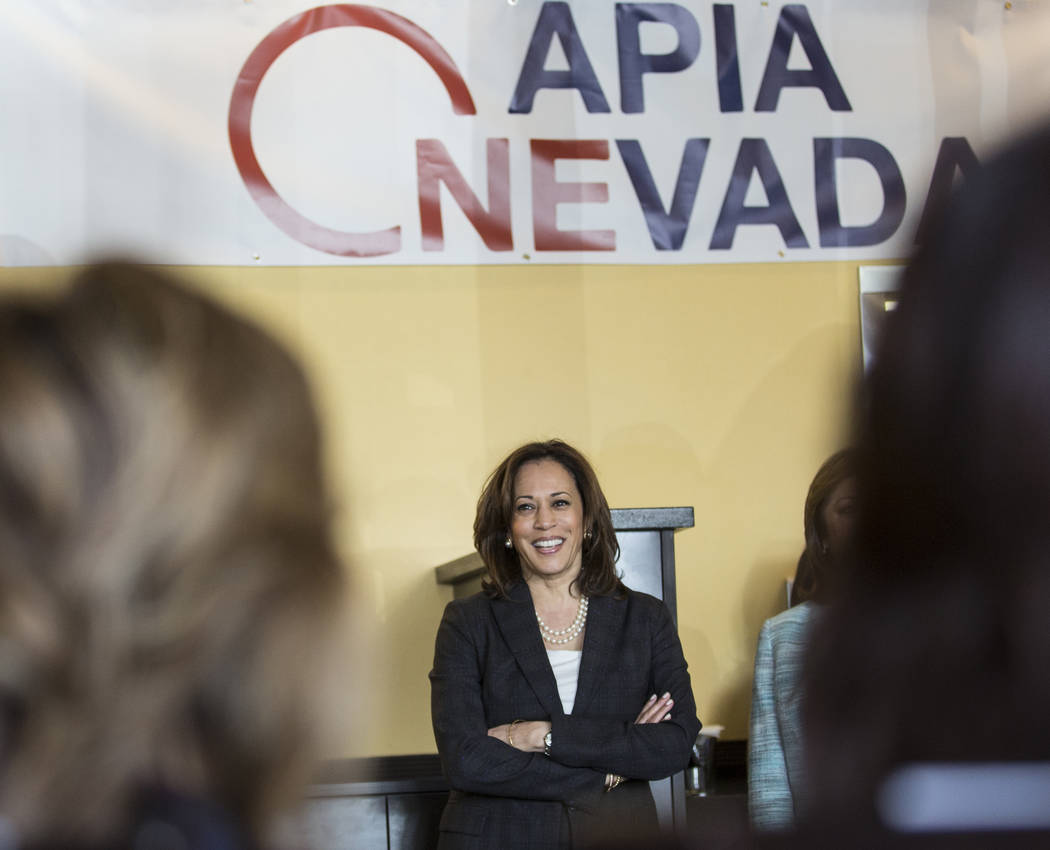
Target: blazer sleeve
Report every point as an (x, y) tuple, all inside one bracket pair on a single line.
[(474, 761), (768, 791), (637, 751)]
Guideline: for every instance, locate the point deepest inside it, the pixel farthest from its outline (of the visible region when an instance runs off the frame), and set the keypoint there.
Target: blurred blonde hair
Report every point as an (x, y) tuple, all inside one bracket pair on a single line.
[(168, 583)]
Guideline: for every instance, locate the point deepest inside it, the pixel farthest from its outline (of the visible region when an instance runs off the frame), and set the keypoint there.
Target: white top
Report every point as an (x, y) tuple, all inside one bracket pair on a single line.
[(566, 666)]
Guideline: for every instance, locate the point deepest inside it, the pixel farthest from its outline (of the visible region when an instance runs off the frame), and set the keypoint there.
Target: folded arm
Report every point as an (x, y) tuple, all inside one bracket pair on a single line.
[(638, 750), (475, 761)]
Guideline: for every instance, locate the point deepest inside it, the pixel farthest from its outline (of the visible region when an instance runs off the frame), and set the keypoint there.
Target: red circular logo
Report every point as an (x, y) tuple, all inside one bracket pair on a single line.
[(274, 207)]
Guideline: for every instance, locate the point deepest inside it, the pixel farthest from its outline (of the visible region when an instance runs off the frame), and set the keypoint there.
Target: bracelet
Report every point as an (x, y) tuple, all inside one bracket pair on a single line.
[(616, 780), (510, 731)]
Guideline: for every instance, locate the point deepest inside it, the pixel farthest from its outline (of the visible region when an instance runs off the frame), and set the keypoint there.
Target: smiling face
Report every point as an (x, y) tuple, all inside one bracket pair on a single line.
[(546, 524)]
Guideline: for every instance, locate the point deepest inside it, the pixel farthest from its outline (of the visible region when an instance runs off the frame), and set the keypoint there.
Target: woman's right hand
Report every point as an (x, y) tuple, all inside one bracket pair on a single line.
[(655, 709)]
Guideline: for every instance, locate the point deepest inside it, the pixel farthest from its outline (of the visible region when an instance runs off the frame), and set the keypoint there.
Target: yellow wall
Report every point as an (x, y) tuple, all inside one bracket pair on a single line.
[(720, 387)]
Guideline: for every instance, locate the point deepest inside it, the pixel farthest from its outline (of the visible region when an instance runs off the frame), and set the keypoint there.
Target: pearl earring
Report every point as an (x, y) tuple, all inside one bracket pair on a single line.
[(508, 543)]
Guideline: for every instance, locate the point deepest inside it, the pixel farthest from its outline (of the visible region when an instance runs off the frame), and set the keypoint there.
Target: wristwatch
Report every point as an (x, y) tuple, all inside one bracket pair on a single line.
[(547, 744)]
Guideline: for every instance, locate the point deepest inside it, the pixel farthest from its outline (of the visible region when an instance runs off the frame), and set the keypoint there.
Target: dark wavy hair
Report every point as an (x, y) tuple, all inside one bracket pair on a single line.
[(491, 525), (813, 576), (938, 646)]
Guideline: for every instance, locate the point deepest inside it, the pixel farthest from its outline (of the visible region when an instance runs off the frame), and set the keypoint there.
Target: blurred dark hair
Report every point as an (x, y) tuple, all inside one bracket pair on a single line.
[(168, 582), (813, 574), (492, 524), (939, 646)]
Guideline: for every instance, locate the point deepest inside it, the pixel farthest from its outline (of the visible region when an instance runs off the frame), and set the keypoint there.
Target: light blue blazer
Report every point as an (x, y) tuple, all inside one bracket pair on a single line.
[(775, 774)]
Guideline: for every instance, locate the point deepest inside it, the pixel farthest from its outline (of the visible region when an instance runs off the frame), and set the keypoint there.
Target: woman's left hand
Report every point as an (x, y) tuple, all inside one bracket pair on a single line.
[(656, 709), (527, 735)]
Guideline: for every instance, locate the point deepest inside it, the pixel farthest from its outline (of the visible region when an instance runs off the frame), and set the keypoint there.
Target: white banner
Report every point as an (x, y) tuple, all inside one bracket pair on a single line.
[(493, 131)]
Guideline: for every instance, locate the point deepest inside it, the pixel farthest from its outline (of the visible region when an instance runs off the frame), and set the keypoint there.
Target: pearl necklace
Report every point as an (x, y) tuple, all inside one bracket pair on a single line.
[(560, 636)]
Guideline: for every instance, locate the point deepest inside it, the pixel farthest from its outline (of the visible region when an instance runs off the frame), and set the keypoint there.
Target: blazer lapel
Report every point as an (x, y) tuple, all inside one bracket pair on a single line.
[(516, 619), (605, 618)]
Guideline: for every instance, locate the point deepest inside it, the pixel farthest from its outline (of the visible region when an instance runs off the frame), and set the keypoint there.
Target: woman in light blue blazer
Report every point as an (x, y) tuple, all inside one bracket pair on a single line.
[(775, 770)]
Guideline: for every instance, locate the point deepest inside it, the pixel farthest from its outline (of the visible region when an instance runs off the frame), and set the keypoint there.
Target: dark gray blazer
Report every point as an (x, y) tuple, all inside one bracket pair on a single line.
[(490, 668)]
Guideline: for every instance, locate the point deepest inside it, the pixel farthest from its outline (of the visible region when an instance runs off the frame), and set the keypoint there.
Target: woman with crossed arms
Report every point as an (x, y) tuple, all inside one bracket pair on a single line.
[(557, 693)]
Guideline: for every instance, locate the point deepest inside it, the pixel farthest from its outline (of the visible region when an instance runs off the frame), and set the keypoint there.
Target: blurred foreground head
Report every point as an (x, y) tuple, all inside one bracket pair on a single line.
[(940, 647), (168, 585)]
